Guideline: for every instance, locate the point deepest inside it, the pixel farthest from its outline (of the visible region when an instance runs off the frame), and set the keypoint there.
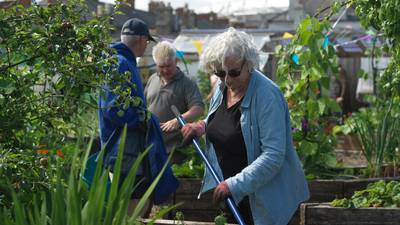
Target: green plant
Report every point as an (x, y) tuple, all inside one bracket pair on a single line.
[(378, 194), (71, 202), (179, 217), (29, 171), (205, 87), (378, 128), (192, 165), (220, 220), (52, 63), (304, 69)]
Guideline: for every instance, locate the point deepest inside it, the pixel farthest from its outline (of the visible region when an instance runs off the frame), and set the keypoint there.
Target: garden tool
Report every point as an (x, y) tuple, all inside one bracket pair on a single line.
[(231, 203)]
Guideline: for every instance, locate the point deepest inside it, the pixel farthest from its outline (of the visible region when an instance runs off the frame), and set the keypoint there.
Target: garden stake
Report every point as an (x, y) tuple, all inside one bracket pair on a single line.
[(229, 200)]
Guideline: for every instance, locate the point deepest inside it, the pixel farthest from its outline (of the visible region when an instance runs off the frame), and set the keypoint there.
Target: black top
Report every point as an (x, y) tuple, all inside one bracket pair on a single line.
[(225, 133)]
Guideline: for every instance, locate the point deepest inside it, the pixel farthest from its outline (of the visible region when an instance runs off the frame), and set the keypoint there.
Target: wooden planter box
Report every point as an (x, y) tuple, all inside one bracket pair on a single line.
[(348, 142), (328, 190), (203, 209), (324, 214), (184, 222), (195, 209)]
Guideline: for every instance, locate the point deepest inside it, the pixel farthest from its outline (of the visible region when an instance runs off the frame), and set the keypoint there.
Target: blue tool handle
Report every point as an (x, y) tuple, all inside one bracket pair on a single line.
[(231, 203)]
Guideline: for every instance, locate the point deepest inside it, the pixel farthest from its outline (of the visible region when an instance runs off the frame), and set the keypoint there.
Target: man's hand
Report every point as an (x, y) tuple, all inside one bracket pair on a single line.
[(170, 125), (221, 192), (191, 130)]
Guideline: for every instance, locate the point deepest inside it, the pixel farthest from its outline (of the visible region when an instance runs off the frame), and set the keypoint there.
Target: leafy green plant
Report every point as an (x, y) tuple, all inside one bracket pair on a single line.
[(52, 63), (378, 125), (378, 194), (304, 69), (220, 220), (192, 165), (378, 128), (28, 172), (204, 87), (71, 202), (179, 217)]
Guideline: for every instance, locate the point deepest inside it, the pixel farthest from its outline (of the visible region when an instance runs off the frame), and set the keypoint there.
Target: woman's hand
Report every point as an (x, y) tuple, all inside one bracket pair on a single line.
[(221, 192), (192, 130)]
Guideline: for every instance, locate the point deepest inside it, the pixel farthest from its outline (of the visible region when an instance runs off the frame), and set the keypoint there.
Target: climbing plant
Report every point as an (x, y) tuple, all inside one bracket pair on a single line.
[(304, 71)]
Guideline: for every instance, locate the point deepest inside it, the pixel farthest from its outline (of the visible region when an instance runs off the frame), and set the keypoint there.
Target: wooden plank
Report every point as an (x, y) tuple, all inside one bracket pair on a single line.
[(352, 159), (348, 142), (185, 222), (200, 215), (295, 220), (191, 202), (325, 190), (189, 186), (324, 214)]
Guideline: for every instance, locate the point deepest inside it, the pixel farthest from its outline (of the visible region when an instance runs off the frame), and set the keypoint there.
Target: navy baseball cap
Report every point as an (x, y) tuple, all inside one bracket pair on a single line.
[(136, 26)]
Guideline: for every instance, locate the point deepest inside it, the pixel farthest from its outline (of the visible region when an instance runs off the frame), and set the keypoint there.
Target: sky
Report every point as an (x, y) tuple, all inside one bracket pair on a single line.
[(219, 6)]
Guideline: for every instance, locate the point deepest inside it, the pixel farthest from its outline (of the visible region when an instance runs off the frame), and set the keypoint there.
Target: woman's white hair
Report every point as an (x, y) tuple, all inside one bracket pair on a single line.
[(232, 43), (164, 51)]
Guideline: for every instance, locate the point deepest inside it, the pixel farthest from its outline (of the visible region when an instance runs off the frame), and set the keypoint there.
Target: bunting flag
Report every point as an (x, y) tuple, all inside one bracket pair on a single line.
[(287, 35), (295, 58), (326, 42), (179, 54), (198, 45)]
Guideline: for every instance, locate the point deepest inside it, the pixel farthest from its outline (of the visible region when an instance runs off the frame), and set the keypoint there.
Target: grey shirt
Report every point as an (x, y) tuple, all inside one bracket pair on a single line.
[(181, 92)]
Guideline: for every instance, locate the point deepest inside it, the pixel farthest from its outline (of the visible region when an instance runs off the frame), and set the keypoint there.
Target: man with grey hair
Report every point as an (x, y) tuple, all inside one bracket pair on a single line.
[(142, 131), (169, 86)]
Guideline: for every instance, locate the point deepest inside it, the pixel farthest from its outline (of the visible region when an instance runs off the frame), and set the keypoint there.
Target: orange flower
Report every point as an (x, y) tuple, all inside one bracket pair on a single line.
[(60, 153), (42, 151), (291, 103)]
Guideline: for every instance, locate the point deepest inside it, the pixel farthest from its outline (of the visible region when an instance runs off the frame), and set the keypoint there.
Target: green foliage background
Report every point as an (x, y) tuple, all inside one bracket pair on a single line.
[(304, 85), (51, 65)]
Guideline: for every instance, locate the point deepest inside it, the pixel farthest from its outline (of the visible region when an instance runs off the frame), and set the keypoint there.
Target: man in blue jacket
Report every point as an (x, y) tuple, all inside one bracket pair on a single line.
[(143, 128)]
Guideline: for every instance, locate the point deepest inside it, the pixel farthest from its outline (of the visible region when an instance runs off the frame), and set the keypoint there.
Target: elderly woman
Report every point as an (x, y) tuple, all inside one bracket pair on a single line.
[(248, 135)]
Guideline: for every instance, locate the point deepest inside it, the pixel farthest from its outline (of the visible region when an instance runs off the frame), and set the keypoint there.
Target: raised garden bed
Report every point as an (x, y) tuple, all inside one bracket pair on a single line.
[(180, 222), (327, 190), (348, 142), (203, 209), (324, 214), (193, 208)]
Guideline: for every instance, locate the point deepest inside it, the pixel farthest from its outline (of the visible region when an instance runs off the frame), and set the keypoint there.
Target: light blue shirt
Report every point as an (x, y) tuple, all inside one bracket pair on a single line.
[(274, 179)]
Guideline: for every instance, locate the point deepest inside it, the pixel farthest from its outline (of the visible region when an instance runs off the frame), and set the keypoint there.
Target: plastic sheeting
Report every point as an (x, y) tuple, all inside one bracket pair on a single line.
[(185, 41)]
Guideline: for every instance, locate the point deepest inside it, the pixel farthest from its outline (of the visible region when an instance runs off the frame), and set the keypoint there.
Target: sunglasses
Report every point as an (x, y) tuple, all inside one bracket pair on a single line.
[(231, 73)]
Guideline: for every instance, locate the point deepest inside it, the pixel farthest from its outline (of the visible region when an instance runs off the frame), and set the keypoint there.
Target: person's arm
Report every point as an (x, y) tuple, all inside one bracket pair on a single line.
[(115, 111), (195, 104), (189, 116)]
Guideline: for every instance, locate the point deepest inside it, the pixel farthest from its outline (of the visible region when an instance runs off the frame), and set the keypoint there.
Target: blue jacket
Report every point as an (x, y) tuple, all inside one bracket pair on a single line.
[(274, 179), (109, 121)]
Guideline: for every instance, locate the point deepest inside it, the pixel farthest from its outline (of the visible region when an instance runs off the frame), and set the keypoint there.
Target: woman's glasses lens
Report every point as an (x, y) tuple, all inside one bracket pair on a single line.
[(220, 73), (231, 73)]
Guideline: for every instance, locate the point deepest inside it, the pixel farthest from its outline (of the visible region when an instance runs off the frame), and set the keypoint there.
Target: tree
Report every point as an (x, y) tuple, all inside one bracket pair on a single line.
[(52, 63)]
